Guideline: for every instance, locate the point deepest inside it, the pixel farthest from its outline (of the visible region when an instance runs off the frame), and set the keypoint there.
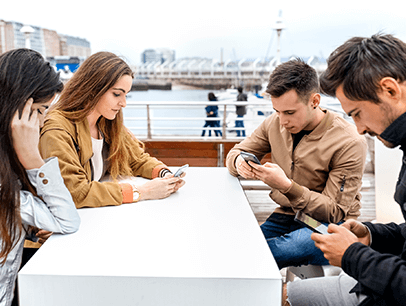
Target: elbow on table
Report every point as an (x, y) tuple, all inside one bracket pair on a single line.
[(70, 226)]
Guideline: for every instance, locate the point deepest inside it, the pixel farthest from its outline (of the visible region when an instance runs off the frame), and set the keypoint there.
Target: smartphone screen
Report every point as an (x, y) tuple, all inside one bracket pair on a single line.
[(311, 223), (250, 157), (181, 170)]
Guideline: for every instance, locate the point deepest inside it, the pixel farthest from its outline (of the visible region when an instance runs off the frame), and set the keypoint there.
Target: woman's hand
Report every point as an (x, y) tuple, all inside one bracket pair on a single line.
[(160, 188), (25, 135), (43, 235), (180, 182)]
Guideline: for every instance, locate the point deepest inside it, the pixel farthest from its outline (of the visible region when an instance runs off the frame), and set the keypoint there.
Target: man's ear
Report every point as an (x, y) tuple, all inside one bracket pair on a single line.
[(315, 99), (390, 88)]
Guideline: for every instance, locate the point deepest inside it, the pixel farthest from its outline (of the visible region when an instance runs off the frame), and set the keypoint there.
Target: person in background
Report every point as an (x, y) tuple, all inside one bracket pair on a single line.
[(85, 130), (318, 161), (212, 112), (241, 110), (32, 194), (368, 76)]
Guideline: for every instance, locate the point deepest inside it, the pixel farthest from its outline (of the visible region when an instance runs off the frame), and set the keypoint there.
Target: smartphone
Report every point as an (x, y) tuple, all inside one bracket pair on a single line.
[(181, 170), (250, 157), (311, 223)]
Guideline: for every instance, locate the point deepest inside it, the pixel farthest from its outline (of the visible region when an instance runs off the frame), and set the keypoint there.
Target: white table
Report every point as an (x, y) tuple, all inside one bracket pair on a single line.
[(200, 246)]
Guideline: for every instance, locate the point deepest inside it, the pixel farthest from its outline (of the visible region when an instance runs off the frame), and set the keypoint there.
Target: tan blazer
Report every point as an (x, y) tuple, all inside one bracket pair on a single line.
[(326, 167), (71, 143)]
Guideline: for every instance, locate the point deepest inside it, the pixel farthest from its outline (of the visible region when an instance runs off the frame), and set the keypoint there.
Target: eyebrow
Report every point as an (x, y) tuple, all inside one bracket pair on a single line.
[(284, 111), (119, 89)]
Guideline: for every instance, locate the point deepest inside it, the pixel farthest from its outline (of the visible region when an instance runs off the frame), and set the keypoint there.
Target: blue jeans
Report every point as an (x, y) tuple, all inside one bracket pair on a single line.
[(212, 124), (240, 123), (290, 242)]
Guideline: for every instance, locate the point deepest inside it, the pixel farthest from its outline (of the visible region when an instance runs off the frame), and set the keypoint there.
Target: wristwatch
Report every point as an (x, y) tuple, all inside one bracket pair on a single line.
[(136, 194)]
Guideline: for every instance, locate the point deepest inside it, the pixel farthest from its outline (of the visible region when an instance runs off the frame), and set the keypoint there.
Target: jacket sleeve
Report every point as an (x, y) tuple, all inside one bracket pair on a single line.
[(379, 269), (85, 193), (257, 143), (55, 210), (341, 191)]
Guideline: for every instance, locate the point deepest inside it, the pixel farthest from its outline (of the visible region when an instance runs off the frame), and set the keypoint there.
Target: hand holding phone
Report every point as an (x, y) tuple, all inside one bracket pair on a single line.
[(311, 223), (181, 170), (250, 157)]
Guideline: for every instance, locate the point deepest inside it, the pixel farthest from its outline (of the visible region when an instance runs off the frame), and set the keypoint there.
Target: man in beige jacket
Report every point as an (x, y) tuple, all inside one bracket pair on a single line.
[(317, 164)]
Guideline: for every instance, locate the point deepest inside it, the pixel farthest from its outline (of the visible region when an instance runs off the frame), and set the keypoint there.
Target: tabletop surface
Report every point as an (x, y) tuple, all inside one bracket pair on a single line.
[(205, 230)]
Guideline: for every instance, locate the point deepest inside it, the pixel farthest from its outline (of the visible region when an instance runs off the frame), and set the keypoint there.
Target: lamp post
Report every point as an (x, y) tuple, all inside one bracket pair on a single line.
[(27, 30), (279, 26)]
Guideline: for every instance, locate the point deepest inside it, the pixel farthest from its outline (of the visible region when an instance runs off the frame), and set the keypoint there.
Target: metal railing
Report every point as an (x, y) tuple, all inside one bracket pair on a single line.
[(152, 123), (153, 117)]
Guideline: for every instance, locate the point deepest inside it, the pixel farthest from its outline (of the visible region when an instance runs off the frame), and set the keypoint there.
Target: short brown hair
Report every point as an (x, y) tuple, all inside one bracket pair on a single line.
[(360, 63), (294, 74)]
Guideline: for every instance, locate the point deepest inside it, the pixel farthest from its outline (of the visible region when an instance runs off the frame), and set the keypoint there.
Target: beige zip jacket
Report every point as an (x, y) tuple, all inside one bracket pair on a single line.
[(326, 167), (71, 143)]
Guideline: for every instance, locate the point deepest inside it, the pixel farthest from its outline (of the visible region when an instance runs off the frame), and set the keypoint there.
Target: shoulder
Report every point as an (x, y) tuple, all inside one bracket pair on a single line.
[(56, 121), (347, 128)]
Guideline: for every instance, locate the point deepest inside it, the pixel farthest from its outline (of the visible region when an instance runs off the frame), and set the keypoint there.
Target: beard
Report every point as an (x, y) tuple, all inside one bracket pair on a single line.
[(390, 115), (386, 143)]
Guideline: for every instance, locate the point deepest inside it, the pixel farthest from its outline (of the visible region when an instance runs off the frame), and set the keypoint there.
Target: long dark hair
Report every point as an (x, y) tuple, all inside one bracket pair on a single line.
[(24, 74), (90, 82)]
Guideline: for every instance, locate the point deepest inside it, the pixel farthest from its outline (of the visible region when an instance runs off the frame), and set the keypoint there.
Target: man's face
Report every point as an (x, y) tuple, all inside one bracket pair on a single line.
[(369, 117), (294, 115)]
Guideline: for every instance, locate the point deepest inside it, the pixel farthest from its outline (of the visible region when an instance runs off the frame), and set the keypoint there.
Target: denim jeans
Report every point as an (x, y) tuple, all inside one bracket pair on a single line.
[(240, 123), (290, 242)]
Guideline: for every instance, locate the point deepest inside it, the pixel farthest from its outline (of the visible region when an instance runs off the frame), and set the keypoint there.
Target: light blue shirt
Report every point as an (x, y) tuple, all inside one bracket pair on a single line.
[(55, 212)]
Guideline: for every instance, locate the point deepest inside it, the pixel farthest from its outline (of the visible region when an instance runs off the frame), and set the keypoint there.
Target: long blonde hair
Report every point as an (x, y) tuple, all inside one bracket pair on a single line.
[(89, 83)]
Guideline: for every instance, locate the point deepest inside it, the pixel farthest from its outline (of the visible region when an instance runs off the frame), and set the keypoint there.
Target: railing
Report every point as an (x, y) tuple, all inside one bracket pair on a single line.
[(185, 120), (152, 123)]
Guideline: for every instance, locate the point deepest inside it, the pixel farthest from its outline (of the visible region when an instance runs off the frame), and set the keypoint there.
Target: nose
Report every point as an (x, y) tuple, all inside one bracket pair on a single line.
[(41, 122), (283, 120), (123, 102), (362, 129)]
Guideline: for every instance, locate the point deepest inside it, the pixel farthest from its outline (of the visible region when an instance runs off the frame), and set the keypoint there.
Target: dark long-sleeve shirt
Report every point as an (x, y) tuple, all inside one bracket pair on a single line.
[(381, 268)]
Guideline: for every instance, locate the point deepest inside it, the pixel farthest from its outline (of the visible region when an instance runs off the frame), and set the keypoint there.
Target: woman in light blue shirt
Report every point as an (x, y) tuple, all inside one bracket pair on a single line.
[(32, 192)]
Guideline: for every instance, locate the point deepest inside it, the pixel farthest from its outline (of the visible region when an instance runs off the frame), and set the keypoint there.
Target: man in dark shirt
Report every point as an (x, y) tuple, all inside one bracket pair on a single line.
[(240, 111), (368, 76)]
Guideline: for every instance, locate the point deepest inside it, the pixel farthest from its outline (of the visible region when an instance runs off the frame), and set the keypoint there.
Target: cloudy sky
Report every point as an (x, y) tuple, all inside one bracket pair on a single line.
[(242, 29)]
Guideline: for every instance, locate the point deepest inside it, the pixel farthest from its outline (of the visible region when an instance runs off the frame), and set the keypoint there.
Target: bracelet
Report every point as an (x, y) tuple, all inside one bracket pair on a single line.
[(164, 172)]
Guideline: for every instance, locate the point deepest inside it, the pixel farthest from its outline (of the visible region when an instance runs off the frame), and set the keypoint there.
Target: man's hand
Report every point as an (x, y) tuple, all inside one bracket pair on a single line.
[(272, 175), (334, 246), (243, 168), (359, 230)]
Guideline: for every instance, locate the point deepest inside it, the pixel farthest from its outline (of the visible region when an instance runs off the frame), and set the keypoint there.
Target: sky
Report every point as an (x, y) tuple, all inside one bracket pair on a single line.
[(211, 28)]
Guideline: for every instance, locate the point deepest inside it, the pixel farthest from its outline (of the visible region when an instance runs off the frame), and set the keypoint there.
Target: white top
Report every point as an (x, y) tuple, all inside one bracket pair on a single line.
[(97, 158)]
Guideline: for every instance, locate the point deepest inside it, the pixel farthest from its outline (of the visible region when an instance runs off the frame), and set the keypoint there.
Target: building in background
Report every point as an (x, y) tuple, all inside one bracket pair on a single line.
[(47, 42), (157, 56)]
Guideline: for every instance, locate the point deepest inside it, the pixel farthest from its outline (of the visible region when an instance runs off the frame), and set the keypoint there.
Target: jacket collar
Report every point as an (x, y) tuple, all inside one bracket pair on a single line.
[(323, 126), (84, 140), (79, 131), (395, 133)]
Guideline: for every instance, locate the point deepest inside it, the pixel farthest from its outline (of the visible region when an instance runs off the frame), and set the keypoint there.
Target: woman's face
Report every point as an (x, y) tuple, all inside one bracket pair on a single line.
[(114, 99), (42, 109)]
